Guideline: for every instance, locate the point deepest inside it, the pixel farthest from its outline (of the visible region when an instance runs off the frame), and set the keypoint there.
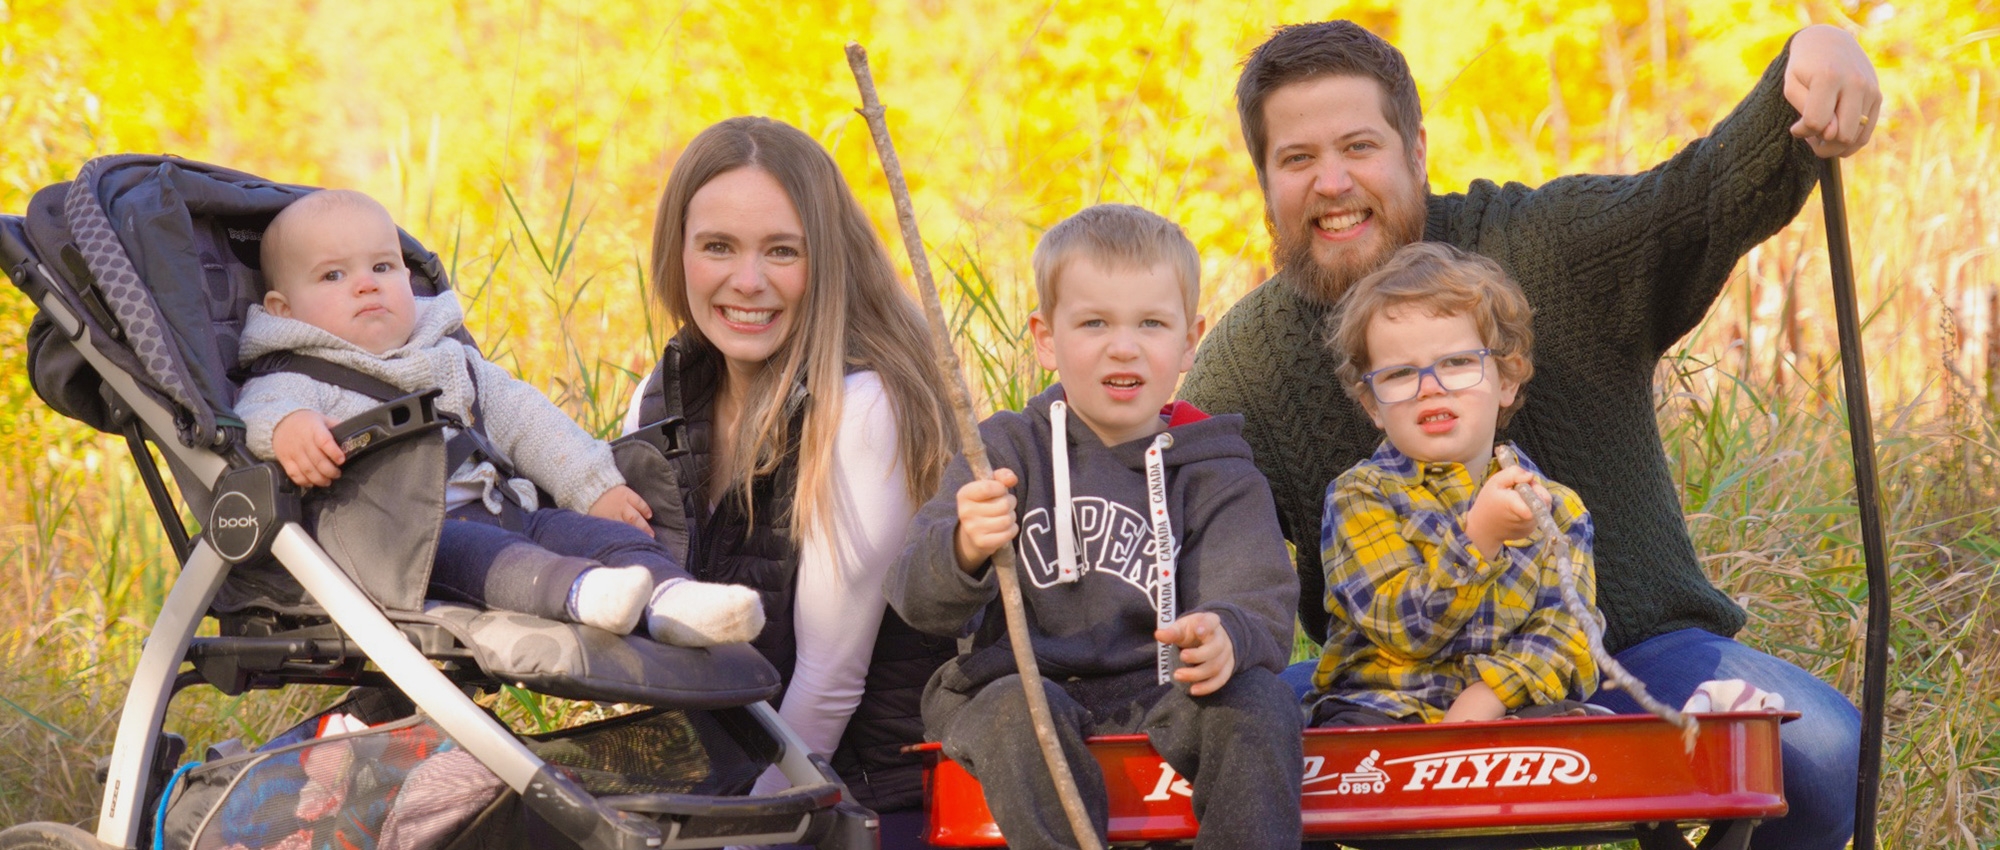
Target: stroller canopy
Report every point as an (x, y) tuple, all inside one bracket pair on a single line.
[(161, 255)]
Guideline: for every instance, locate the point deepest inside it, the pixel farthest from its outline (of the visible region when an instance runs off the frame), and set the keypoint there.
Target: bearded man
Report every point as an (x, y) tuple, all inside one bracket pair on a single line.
[(1617, 267)]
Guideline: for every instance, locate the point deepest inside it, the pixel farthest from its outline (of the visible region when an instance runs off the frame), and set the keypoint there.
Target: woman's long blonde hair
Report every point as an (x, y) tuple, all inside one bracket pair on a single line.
[(854, 314)]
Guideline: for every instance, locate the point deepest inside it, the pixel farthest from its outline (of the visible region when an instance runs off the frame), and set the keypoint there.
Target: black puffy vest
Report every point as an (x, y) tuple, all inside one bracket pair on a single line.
[(756, 550)]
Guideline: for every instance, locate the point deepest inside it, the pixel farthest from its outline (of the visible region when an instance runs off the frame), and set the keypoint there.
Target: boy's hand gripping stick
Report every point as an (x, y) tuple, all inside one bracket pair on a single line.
[(975, 455), (1615, 674)]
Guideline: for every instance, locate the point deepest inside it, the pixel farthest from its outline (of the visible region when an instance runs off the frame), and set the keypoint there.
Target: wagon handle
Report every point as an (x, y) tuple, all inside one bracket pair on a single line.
[(1867, 497)]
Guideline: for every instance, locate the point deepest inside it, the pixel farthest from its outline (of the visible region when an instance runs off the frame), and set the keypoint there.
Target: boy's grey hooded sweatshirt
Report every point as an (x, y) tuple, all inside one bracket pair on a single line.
[(1231, 557)]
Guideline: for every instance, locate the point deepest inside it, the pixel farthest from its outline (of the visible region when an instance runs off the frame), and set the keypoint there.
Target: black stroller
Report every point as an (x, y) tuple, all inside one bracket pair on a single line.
[(143, 268)]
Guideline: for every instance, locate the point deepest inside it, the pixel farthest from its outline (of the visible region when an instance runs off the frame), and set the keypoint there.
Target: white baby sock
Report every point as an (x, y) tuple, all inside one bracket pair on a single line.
[(694, 613), (610, 598)]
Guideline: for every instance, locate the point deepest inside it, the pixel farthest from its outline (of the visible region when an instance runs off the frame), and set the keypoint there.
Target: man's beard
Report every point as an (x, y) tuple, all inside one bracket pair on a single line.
[(1401, 223)]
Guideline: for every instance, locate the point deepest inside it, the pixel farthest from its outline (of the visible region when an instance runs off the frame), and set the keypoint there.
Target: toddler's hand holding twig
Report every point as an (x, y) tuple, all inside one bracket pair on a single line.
[(985, 519), (1206, 651), (304, 445), (1499, 514), (622, 504), (1615, 675)]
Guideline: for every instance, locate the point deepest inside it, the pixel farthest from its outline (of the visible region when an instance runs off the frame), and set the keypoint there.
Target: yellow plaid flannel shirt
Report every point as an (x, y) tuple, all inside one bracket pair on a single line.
[(1420, 612)]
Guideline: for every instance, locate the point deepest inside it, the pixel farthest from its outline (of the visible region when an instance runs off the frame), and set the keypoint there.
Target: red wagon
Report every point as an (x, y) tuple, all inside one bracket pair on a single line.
[(1628, 774)]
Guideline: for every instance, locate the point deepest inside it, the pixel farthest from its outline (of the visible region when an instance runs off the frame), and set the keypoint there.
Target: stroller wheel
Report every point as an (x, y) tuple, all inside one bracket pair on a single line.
[(48, 836)]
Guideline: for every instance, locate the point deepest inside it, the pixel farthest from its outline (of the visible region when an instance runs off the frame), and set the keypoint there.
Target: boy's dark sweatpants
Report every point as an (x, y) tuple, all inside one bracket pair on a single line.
[(1238, 747)]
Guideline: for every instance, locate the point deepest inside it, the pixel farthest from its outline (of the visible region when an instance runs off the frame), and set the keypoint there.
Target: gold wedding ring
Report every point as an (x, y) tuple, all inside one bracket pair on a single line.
[(1864, 119)]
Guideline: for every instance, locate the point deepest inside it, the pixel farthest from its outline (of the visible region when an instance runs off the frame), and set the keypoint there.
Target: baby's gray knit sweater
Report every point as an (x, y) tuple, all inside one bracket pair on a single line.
[(545, 446)]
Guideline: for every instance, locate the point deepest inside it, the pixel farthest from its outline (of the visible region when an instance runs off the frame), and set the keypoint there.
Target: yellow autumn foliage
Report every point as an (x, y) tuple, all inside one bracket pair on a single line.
[(1009, 115), (527, 142)]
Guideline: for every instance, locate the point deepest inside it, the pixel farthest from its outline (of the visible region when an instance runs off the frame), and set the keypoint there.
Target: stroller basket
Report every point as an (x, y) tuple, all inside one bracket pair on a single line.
[(142, 269), (404, 785), (663, 751)]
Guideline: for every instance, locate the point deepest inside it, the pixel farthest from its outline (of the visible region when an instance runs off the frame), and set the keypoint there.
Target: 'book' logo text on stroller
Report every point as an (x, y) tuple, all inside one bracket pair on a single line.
[(233, 527)]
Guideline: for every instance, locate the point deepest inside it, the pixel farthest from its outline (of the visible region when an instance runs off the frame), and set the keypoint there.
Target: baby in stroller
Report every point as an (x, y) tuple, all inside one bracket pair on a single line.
[(340, 300), (140, 332)]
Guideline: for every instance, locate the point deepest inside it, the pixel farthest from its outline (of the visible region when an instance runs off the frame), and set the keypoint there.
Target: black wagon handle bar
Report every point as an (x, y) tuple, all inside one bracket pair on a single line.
[(1867, 497)]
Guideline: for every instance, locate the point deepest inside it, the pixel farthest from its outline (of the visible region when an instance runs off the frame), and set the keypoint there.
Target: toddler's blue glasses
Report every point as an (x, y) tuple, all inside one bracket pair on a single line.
[(1459, 370)]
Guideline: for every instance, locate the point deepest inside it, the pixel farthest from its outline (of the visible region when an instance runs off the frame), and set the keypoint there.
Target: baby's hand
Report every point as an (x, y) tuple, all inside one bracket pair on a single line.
[(621, 504), (1499, 514), (304, 445), (1209, 657), (985, 519)]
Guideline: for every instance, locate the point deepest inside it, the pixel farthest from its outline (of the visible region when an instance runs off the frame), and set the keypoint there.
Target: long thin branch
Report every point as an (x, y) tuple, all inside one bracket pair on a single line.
[(975, 455), (1616, 677)]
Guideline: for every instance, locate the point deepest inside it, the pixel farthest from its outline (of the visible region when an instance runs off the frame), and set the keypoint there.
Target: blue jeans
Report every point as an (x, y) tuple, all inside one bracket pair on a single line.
[(1822, 748)]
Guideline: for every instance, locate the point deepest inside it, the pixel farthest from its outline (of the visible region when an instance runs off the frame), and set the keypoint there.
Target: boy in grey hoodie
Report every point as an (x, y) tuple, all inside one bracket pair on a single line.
[(339, 292), (1155, 577)]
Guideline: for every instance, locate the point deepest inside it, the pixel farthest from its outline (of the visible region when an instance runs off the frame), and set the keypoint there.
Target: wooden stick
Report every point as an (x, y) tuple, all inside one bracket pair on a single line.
[(1616, 677), (975, 455)]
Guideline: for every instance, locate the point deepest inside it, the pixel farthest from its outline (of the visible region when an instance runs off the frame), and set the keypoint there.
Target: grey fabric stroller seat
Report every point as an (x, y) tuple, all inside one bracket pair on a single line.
[(143, 268)]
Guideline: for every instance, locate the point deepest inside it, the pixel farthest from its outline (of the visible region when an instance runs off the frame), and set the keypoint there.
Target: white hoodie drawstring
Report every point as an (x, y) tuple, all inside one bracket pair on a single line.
[(1066, 570)]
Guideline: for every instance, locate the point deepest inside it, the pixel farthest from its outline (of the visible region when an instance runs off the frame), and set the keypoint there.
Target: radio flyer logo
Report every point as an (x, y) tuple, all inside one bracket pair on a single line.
[(1496, 767), (1170, 785), (1365, 778), (1488, 767)]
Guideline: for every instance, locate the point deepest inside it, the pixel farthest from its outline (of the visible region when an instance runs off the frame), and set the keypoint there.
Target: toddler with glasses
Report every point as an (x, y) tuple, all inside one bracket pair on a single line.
[(1446, 601)]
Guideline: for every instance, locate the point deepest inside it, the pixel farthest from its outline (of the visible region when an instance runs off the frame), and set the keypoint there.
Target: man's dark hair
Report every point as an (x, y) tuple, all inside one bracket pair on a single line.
[(1326, 48)]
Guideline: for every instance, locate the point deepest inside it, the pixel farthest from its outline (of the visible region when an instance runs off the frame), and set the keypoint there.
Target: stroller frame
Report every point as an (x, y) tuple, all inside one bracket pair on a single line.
[(268, 508)]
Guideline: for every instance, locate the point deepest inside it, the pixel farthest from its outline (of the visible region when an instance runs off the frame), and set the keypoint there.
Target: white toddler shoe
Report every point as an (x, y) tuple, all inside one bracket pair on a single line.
[(694, 613)]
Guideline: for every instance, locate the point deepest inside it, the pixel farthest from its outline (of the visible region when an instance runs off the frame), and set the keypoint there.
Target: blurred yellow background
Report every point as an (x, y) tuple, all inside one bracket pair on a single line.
[(1009, 116), (527, 142)]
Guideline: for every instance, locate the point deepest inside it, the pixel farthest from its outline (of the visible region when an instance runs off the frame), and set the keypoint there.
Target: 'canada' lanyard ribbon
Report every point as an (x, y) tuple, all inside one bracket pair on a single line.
[(1166, 605)]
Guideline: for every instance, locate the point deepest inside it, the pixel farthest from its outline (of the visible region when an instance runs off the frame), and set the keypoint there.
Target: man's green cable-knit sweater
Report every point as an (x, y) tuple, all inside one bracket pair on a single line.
[(1618, 268)]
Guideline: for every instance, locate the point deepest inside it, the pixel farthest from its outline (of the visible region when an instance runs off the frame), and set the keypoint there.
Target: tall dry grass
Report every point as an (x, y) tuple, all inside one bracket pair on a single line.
[(527, 141)]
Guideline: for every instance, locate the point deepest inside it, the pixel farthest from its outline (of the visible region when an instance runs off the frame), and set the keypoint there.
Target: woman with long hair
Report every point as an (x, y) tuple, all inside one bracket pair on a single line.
[(801, 369)]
